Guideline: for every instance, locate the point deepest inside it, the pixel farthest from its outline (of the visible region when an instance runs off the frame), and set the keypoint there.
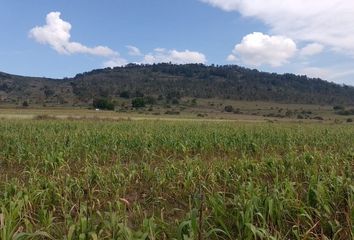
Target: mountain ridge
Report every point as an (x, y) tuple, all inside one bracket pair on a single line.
[(168, 81)]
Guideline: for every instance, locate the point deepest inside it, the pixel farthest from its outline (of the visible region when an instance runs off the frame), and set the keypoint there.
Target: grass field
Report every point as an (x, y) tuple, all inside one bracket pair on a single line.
[(151, 179), (207, 109)]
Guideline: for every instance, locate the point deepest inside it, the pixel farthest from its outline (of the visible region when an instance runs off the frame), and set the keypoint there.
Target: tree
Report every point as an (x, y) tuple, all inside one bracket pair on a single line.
[(103, 103), (138, 102), (338, 107), (229, 108), (25, 104)]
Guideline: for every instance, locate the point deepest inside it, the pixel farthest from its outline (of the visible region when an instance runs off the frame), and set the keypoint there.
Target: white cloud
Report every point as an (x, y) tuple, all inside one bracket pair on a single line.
[(226, 5), (316, 72), (341, 74), (161, 55), (231, 58), (134, 51), (115, 62), (56, 33), (327, 22), (311, 49), (258, 49)]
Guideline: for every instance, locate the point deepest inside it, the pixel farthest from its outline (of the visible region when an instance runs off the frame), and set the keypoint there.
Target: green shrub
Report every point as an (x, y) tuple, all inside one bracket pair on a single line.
[(346, 112), (25, 104), (338, 107), (138, 102), (229, 108), (103, 104), (172, 112)]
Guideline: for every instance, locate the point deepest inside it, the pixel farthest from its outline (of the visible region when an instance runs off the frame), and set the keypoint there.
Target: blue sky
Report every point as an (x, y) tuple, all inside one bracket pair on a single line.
[(60, 38)]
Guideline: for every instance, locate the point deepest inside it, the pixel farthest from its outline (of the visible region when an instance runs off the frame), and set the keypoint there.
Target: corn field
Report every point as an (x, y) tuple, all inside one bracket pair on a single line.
[(150, 179)]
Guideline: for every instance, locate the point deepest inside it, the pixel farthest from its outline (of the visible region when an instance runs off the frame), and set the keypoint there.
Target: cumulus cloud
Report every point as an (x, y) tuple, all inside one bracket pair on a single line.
[(327, 22), (115, 62), (257, 49), (56, 33), (231, 58), (161, 55), (311, 49), (133, 51)]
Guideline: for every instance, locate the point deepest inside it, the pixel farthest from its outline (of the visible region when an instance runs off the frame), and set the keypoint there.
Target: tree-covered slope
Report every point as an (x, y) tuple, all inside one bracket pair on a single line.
[(169, 80)]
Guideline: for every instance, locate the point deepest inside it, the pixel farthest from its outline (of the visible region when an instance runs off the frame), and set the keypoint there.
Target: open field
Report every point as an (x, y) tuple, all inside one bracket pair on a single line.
[(204, 109), (151, 179)]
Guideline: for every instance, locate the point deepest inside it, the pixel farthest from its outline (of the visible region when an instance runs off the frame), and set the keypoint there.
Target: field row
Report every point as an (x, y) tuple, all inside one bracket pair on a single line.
[(62, 179)]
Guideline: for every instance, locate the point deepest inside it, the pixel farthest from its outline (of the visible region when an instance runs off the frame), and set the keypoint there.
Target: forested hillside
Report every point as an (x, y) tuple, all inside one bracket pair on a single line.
[(169, 81)]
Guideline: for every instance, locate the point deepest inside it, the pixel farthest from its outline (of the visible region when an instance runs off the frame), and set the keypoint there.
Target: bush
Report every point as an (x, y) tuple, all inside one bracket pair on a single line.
[(202, 115), (44, 117), (338, 107), (103, 104), (25, 104), (346, 112), (238, 111), (229, 108), (289, 113), (138, 102), (172, 112), (349, 120)]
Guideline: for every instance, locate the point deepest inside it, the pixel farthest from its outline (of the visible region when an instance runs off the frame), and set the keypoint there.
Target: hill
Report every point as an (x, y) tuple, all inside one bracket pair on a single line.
[(169, 81)]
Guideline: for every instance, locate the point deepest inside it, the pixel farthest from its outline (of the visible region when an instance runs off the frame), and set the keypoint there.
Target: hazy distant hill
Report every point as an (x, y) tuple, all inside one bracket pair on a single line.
[(175, 81)]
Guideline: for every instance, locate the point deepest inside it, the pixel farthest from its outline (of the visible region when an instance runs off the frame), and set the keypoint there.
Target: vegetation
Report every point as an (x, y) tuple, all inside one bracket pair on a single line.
[(80, 179), (25, 104), (149, 100), (229, 108), (338, 107), (138, 102), (346, 112), (227, 82), (173, 82), (103, 104), (125, 94)]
